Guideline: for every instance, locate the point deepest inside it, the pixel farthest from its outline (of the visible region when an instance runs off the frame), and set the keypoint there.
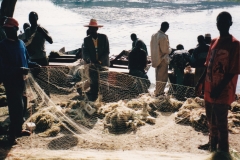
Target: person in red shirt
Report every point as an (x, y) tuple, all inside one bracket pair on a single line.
[(220, 80)]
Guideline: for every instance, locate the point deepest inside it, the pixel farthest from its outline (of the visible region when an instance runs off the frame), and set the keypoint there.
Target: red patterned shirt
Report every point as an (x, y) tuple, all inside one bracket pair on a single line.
[(223, 57)]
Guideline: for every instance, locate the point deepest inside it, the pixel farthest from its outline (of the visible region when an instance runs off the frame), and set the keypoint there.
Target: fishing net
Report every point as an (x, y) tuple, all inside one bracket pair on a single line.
[(63, 113)]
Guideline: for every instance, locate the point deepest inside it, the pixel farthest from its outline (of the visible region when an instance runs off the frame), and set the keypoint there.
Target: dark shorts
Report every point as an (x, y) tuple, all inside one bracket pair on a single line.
[(217, 117)]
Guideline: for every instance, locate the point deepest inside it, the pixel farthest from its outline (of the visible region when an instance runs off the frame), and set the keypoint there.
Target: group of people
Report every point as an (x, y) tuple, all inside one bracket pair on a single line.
[(218, 65), (16, 57), (217, 68)]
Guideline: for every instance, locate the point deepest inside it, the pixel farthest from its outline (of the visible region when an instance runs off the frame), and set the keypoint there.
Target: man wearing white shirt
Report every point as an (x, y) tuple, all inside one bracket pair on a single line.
[(160, 50)]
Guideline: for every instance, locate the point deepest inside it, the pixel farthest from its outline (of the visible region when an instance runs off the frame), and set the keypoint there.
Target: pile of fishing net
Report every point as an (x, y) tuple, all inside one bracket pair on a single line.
[(193, 113), (4, 119), (234, 117), (118, 116), (3, 98)]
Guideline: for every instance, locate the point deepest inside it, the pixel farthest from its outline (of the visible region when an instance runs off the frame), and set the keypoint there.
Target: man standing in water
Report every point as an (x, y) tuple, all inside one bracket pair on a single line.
[(35, 40), (220, 80), (96, 52), (160, 50)]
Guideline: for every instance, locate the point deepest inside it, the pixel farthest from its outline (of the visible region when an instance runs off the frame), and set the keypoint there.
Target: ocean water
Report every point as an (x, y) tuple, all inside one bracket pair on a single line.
[(64, 19)]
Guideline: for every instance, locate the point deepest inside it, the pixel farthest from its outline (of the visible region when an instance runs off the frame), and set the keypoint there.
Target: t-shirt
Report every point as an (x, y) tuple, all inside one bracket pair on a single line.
[(13, 55), (36, 49), (144, 47), (137, 59), (180, 58), (223, 57)]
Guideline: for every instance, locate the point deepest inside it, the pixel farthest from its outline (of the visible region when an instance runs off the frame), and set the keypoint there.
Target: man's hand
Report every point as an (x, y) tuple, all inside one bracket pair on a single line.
[(24, 70), (36, 69), (215, 92), (34, 65)]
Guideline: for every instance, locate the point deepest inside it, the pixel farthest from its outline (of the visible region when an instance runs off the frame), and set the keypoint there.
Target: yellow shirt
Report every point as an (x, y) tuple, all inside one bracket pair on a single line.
[(95, 42)]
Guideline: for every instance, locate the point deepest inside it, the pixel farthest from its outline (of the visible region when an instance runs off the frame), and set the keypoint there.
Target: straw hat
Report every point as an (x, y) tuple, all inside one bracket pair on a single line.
[(93, 23)]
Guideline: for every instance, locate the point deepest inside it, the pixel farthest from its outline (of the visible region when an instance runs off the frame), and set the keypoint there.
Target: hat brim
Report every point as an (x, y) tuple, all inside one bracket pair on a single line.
[(7, 25), (93, 26)]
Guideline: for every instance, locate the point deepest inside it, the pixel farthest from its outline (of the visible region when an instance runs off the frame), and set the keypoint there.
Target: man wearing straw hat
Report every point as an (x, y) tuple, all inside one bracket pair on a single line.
[(96, 53)]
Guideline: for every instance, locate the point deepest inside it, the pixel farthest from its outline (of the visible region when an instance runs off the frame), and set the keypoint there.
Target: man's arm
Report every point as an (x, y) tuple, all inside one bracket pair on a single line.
[(106, 51), (30, 63), (193, 57), (133, 44), (216, 91), (199, 85), (151, 47), (164, 46), (44, 32), (86, 56), (145, 48)]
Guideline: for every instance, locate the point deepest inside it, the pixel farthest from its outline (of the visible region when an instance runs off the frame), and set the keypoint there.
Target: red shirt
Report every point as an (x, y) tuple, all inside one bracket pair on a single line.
[(223, 57)]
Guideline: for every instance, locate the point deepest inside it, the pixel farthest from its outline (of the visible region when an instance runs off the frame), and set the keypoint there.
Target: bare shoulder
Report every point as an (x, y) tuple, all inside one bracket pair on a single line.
[(44, 29)]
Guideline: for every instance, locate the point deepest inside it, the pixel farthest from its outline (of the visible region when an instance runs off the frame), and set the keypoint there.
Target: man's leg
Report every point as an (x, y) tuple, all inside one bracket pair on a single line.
[(124, 52), (180, 75), (94, 83), (198, 73), (161, 77), (221, 112), (179, 82), (212, 126), (15, 107)]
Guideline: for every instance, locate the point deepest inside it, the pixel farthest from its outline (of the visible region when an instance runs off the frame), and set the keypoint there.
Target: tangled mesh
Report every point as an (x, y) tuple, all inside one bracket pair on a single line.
[(125, 116)]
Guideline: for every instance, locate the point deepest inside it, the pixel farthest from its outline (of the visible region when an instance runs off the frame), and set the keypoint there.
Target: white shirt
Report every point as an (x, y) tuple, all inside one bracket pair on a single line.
[(159, 47)]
